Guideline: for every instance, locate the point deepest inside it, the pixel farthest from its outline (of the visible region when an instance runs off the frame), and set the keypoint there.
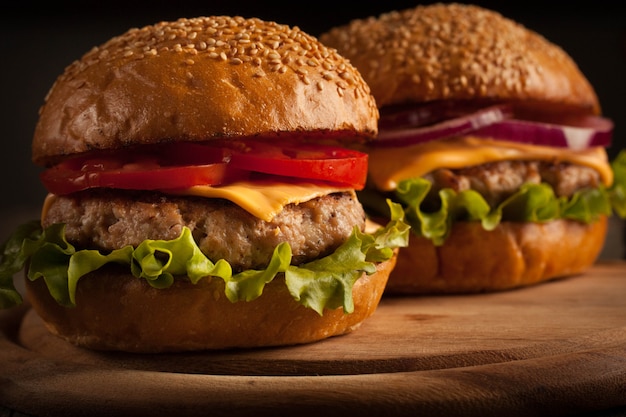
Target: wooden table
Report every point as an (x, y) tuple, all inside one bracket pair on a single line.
[(558, 348)]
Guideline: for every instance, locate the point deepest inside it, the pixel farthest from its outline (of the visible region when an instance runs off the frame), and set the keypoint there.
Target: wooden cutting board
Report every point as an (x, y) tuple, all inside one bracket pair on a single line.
[(558, 348)]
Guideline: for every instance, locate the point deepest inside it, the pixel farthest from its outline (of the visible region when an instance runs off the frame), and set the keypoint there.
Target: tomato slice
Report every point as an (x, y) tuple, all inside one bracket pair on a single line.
[(218, 162), (59, 180), (163, 167), (300, 160)]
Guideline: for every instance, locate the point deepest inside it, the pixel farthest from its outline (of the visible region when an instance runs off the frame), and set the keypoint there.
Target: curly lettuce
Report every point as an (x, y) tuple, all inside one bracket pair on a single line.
[(531, 203), (325, 283)]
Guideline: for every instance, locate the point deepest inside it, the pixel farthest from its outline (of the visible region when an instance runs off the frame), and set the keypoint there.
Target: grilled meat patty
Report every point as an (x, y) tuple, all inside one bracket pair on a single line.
[(108, 220), (499, 180)]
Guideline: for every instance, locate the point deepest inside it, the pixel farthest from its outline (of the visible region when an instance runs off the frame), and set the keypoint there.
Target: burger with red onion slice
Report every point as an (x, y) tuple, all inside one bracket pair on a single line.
[(492, 140), (200, 193)]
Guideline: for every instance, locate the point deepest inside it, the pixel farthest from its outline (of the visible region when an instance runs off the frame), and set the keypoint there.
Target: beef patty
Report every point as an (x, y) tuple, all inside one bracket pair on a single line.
[(499, 180), (109, 220)]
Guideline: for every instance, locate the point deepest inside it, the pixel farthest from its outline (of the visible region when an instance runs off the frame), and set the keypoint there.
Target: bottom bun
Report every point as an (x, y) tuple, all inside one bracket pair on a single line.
[(513, 255), (116, 311)]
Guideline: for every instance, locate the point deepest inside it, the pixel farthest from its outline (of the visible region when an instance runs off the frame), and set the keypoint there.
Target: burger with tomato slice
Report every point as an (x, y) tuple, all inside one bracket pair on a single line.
[(200, 193), (491, 138)]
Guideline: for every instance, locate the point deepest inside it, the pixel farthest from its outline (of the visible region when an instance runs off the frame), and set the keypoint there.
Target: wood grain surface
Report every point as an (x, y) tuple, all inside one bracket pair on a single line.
[(558, 348)]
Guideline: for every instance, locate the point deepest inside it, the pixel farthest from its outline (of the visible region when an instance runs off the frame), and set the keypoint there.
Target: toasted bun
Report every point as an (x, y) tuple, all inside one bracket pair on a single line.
[(511, 256), (198, 79), (116, 311), (464, 52)]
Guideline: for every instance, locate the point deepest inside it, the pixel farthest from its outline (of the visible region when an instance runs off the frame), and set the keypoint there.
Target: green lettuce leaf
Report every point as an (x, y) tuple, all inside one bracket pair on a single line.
[(158, 261), (13, 260), (248, 285), (324, 283), (531, 203), (617, 191), (379, 246), (328, 282)]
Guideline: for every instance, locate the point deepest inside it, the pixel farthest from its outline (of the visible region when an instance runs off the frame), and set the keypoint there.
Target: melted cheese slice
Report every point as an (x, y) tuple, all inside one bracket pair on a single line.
[(388, 166), (263, 200)]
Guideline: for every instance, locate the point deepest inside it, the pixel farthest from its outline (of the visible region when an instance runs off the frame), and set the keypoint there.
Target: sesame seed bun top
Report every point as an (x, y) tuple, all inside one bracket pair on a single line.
[(455, 51), (198, 79)]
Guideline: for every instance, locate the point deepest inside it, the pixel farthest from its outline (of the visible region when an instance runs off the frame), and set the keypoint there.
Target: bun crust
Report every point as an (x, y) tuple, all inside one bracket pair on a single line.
[(117, 311), (513, 255), (202, 78), (454, 51)]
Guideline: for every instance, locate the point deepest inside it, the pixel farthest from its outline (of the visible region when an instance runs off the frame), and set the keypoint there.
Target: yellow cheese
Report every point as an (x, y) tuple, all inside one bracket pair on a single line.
[(264, 200), (46, 205), (390, 165)]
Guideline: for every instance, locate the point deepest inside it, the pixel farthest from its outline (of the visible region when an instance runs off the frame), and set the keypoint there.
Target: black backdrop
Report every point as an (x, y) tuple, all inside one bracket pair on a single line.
[(37, 42)]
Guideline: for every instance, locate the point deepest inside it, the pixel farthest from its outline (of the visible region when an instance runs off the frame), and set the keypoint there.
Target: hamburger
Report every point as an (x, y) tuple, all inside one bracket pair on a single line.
[(200, 193), (492, 140)]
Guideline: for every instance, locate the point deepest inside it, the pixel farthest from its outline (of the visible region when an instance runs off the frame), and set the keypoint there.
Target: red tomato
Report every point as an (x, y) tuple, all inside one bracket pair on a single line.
[(152, 168), (306, 161), (182, 165)]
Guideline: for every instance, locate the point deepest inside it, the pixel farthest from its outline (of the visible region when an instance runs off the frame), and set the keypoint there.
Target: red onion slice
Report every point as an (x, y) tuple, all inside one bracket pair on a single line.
[(456, 126), (427, 114), (589, 131)]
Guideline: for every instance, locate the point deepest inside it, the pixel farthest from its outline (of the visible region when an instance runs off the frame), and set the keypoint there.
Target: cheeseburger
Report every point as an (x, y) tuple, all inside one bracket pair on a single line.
[(491, 139), (200, 196)]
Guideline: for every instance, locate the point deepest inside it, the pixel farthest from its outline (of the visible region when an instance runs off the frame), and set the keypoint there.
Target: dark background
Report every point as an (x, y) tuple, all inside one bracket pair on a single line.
[(38, 42)]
